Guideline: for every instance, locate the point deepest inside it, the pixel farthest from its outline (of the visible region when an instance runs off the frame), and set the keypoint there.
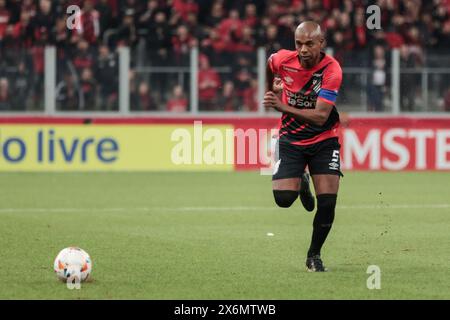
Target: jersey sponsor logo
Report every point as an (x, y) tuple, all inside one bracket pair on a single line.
[(300, 100)]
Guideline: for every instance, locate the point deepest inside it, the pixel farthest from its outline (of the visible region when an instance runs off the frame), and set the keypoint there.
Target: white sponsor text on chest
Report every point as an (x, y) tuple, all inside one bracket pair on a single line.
[(290, 69)]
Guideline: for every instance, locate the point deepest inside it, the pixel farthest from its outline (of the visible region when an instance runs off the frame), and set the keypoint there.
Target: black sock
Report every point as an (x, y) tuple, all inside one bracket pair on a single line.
[(323, 221)]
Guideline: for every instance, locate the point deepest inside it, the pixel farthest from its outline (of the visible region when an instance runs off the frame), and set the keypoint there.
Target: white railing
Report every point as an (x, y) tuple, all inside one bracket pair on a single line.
[(193, 69)]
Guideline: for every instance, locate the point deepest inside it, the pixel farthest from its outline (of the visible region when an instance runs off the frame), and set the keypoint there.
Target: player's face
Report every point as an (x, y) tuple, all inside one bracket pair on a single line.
[(308, 49)]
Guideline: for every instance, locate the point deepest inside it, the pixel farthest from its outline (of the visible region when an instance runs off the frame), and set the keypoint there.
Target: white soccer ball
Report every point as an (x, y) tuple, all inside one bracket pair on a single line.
[(72, 261)]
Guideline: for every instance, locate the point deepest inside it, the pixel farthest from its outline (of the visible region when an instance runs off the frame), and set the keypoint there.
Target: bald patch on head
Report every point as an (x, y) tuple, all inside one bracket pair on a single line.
[(310, 29)]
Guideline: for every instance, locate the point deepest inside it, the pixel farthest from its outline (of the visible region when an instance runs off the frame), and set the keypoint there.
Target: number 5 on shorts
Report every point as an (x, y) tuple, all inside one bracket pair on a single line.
[(335, 157)]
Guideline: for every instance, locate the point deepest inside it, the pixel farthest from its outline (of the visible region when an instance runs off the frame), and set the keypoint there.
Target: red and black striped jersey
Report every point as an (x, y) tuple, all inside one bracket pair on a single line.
[(301, 89)]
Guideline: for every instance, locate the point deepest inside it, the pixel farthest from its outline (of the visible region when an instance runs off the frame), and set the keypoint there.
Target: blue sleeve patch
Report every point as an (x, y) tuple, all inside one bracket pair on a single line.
[(328, 94)]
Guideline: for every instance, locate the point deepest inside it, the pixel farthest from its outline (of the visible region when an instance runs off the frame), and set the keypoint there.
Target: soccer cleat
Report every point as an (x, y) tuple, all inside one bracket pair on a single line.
[(305, 193), (315, 264)]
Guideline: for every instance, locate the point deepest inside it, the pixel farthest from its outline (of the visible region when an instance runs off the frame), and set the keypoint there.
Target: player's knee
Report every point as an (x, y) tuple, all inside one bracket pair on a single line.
[(326, 204), (285, 198)]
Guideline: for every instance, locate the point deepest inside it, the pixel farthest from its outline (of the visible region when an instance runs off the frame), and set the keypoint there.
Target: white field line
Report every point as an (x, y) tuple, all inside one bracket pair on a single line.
[(198, 209)]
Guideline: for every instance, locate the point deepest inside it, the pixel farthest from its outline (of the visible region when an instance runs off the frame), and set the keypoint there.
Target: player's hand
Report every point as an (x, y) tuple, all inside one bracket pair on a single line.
[(271, 100), (277, 85)]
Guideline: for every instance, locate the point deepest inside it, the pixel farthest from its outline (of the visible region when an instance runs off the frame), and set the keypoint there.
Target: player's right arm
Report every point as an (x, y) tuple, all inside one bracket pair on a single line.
[(273, 82), (269, 75)]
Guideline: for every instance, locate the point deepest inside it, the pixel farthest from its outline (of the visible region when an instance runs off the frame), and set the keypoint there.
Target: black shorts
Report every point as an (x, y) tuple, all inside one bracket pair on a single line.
[(321, 158)]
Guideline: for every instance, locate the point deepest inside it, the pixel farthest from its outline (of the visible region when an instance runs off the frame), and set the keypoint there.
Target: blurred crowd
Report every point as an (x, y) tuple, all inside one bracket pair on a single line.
[(227, 33)]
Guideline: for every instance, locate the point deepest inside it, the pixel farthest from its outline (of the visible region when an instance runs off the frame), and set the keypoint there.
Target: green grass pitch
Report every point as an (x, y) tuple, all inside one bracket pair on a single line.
[(204, 236)]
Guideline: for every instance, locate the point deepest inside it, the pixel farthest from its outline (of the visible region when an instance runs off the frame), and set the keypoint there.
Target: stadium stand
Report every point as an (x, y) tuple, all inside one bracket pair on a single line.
[(227, 33)]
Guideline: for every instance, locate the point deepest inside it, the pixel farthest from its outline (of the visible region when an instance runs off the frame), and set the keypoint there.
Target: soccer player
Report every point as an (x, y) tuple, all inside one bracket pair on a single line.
[(308, 132)]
